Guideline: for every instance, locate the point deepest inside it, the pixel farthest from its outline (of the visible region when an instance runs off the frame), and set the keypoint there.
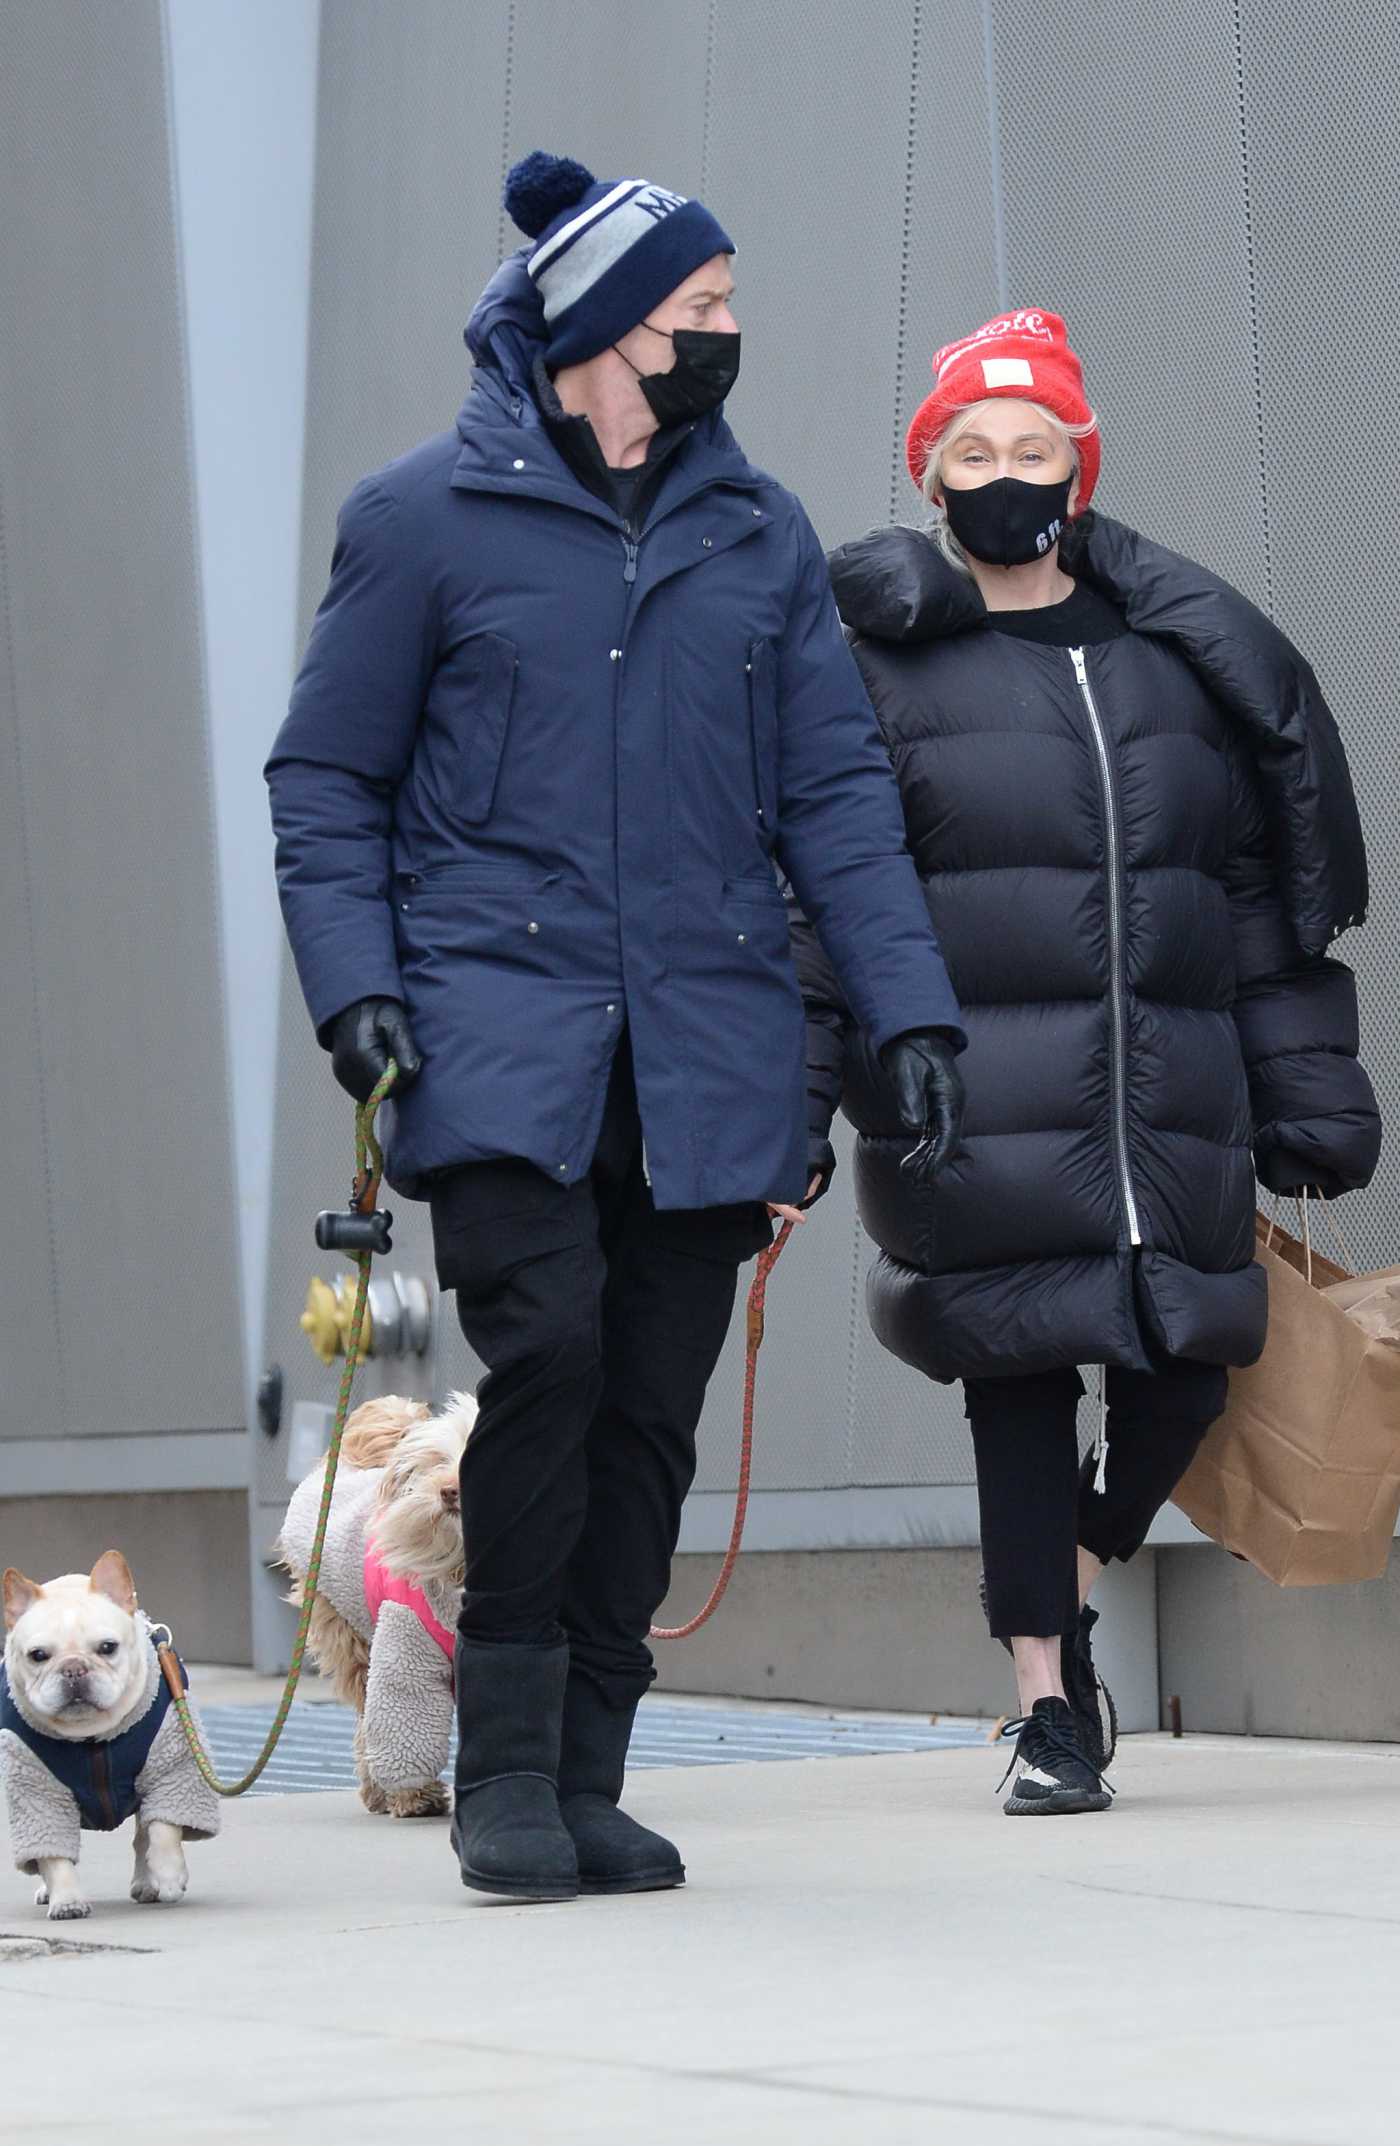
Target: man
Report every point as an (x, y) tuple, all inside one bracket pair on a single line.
[(576, 685)]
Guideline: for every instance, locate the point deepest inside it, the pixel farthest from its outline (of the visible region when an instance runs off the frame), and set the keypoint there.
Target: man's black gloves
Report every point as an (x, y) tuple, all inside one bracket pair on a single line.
[(923, 1072), (363, 1040)]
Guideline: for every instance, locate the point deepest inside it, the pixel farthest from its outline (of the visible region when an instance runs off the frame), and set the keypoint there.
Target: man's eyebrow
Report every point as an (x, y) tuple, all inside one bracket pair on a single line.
[(714, 291)]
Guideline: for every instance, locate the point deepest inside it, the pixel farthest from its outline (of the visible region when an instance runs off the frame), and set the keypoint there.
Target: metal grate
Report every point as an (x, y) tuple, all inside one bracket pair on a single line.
[(1318, 101), (315, 1751)]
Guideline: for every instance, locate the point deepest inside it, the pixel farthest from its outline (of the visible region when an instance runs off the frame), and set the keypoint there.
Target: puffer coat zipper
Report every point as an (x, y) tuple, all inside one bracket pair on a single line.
[(1117, 965)]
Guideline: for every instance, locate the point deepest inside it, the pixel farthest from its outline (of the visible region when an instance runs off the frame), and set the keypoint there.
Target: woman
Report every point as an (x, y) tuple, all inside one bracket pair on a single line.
[(1131, 813)]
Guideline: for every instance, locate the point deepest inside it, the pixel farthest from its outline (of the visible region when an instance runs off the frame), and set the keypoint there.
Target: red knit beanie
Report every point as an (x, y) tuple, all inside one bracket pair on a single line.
[(1023, 353)]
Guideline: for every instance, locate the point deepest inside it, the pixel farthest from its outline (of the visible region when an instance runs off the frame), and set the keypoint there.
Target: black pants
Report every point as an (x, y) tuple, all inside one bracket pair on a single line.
[(1038, 1504), (599, 1321)]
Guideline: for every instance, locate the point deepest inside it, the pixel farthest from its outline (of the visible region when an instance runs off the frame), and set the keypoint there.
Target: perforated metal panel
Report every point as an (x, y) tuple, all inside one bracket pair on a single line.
[(1124, 203), (118, 1313), (410, 150), (1323, 189), (807, 167)]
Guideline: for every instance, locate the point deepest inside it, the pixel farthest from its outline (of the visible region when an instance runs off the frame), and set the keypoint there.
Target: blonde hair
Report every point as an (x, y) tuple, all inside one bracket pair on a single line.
[(937, 525)]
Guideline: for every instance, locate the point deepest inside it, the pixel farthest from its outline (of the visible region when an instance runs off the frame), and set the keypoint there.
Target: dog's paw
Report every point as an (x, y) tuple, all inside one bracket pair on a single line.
[(429, 1801), (69, 1910), (152, 1891), (41, 1895)]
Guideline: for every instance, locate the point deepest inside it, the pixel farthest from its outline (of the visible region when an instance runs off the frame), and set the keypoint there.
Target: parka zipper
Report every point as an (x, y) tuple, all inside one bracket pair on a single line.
[(630, 543), (1117, 984)]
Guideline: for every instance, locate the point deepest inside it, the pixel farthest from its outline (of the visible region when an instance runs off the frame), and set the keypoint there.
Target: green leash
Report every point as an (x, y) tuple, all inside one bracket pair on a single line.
[(369, 1168)]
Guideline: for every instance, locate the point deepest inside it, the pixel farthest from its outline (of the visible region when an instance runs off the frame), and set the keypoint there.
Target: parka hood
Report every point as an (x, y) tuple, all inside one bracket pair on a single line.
[(506, 330)]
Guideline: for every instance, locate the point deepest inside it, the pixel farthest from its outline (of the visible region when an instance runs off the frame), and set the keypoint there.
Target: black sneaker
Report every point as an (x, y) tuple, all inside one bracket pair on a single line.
[(1095, 1715), (1051, 1772)]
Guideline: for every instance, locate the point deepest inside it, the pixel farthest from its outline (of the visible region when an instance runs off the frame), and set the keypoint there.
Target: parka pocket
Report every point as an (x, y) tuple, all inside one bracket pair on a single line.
[(762, 668), (486, 666)]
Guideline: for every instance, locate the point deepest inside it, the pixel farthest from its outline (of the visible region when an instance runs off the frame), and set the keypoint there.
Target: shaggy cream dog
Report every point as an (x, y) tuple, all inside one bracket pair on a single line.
[(390, 1585)]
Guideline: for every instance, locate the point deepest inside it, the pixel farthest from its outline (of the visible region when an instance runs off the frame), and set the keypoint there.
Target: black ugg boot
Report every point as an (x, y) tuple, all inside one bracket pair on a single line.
[(615, 1854), (506, 1826)]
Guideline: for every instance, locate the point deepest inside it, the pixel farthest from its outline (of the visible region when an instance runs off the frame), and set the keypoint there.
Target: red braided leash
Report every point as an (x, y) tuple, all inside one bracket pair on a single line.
[(766, 1263)]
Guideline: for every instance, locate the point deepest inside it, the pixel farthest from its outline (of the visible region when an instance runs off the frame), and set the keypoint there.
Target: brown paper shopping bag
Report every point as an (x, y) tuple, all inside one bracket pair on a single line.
[(1301, 1475)]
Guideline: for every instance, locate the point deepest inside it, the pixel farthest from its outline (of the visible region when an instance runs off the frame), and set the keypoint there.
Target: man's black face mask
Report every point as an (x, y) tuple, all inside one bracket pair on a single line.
[(706, 368), (1008, 522)]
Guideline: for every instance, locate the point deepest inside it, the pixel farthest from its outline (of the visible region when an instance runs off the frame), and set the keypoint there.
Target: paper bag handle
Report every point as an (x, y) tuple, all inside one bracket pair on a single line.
[(1305, 1229)]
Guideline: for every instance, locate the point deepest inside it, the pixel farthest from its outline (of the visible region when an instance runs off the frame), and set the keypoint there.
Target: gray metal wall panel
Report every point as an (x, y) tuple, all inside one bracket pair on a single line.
[(103, 614), (412, 108), (692, 106), (1124, 205), (808, 166), (1324, 199), (408, 180), (897, 173), (29, 1320), (620, 84), (951, 269)]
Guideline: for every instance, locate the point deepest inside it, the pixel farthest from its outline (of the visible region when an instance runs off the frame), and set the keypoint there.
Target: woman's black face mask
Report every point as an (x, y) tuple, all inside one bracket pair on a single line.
[(1008, 522), (706, 368)]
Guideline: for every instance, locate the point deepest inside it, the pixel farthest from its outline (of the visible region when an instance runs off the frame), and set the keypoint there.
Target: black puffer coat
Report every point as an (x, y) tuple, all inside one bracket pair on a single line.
[(1134, 874)]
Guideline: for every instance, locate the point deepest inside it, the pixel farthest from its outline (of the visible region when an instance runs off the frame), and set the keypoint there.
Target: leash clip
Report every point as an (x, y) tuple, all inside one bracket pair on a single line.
[(362, 1227)]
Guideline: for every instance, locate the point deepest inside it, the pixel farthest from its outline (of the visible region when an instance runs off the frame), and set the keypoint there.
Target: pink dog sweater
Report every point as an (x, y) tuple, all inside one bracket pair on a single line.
[(382, 1587)]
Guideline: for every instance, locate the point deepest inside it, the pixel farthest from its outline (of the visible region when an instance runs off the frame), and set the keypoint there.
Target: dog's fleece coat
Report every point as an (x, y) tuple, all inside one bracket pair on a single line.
[(46, 1818), (408, 1696)]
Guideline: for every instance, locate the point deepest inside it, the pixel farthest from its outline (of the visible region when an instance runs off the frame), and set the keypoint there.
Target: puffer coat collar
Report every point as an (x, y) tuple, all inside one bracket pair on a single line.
[(894, 585)]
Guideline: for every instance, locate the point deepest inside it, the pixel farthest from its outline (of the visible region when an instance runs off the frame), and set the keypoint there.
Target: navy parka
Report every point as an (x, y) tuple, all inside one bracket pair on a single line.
[(534, 780)]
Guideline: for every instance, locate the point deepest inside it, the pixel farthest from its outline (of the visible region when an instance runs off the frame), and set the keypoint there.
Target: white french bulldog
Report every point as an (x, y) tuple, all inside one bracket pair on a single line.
[(89, 1738)]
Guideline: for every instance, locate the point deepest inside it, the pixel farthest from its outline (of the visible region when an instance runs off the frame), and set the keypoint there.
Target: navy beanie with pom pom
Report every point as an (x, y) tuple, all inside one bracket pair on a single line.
[(606, 250)]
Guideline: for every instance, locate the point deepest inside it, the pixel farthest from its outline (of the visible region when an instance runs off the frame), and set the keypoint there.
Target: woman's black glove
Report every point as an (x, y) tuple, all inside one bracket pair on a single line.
[(923, 1072), (364, 1038), (1290, 1176), (821, 1168)]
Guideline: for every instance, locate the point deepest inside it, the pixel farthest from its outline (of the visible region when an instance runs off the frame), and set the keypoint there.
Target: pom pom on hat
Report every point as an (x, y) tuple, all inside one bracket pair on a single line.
[(1024, 353), (541, 187), (605, 250)]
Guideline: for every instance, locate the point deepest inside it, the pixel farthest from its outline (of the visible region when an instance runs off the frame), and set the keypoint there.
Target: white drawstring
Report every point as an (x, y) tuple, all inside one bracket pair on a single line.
[(1101, 1441)]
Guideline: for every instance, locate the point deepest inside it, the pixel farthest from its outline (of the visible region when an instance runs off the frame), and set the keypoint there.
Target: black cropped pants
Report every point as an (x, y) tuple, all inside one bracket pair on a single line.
[(1036, 1500)]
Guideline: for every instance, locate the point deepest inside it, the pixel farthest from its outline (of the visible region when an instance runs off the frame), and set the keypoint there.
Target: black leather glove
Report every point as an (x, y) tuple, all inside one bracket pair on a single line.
[(923, 1072), (363, 1040)]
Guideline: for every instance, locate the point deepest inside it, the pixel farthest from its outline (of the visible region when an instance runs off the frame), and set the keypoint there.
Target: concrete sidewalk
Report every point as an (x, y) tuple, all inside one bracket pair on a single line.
[(867, 1952)]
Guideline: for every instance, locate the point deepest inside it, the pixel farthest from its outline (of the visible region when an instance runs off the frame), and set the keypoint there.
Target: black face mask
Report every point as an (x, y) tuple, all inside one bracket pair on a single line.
[(706, 368), (1008, 522)]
